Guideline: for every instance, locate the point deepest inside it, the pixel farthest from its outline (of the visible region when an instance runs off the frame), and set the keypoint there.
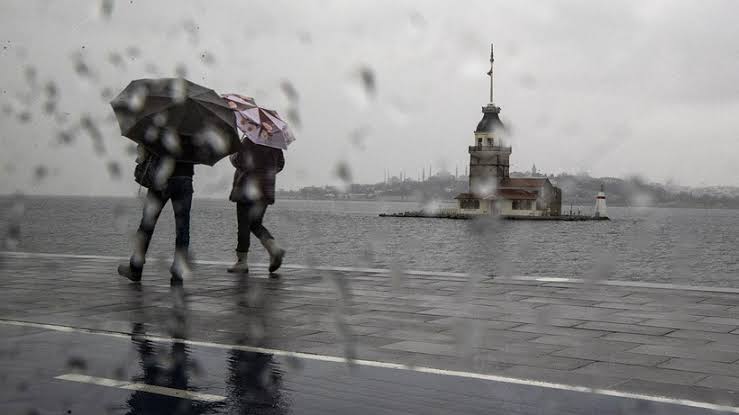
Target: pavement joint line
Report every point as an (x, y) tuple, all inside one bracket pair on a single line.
[(143, 387), (388, 365), (532, 279)]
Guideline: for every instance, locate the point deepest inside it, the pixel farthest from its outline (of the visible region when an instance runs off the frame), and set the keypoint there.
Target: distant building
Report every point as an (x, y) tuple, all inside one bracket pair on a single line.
[(491, 189)]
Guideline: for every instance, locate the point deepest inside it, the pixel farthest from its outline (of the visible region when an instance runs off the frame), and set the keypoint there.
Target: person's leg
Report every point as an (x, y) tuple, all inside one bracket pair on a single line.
[(180, 189), (242, 246), (268, 241), (256, 215), (155, 201)]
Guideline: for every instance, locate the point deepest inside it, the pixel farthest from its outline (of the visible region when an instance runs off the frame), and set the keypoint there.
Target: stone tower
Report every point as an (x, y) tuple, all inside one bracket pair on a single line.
[(489, 156)]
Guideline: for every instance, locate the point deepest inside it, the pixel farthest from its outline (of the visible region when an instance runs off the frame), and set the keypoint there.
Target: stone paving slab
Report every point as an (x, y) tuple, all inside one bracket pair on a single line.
[(666, 340)]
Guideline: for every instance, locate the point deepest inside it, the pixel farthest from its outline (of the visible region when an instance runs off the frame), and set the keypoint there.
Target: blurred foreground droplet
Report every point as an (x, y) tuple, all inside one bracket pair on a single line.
[(116, 60), (207, 58), (293, 116), (65, 137), (106, 8), (15, 216), (343, 172), (40, 173), (82, 69), (358, 136), (91, 128), (289, 89), (367, 75), (77, 363), (114, 169)]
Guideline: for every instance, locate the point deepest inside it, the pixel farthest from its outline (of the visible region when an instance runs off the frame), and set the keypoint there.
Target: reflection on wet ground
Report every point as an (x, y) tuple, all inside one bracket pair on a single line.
[(79, 341), (241, 382)]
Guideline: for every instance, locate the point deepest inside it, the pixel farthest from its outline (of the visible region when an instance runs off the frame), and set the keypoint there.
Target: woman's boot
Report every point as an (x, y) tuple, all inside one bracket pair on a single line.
[(240, 267), (275, 254)]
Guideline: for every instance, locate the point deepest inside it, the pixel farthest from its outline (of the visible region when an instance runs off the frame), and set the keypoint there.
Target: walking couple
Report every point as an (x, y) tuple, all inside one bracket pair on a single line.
[(253, 191)]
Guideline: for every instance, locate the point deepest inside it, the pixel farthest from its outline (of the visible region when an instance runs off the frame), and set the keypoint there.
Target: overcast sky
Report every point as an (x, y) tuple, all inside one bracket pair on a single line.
[(608, 88)]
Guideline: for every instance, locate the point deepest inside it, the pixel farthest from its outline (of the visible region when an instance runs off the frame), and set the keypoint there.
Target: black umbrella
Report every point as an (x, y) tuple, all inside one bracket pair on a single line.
[(176, 118)]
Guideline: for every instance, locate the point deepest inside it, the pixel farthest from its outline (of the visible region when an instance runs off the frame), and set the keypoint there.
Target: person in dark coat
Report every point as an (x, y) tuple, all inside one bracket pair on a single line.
[(253, 191), (175, 186)]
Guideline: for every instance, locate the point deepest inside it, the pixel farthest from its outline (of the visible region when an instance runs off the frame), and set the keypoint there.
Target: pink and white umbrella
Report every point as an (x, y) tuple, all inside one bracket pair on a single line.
[(260, 125)]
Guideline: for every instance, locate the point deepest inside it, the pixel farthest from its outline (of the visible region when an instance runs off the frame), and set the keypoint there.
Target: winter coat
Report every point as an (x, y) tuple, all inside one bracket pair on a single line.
[(256, 168)]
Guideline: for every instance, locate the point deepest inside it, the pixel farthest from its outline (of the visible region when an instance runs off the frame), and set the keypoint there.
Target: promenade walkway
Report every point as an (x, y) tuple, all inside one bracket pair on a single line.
[(653, 343)]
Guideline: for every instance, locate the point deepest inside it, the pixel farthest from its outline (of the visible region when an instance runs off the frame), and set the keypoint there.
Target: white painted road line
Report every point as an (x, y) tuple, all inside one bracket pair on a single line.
[(396, 366), (542, 280), (143, 387)]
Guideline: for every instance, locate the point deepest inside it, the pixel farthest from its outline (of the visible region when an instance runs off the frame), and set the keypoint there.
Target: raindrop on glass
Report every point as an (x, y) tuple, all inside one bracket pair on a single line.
[(114, 169), (106, 8), (289, 90), (367, 76)]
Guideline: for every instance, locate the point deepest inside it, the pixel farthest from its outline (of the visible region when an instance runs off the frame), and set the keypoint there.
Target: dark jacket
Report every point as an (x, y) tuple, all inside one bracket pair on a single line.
[(256, 168)]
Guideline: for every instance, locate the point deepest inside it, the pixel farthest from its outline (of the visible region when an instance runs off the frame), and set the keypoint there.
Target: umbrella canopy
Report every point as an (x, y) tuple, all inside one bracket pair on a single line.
[(260, 125), (176, 118)]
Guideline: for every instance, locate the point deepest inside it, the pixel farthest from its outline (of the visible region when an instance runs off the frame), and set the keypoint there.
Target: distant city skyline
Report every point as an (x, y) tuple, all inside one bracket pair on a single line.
[(646, 88)]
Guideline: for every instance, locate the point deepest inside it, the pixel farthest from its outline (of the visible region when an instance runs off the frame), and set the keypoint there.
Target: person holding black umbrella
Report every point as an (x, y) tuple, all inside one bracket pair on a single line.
[(177, 124)]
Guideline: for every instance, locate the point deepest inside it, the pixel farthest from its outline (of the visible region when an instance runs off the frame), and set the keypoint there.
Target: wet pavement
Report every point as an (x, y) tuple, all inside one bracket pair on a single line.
[(77, 339)]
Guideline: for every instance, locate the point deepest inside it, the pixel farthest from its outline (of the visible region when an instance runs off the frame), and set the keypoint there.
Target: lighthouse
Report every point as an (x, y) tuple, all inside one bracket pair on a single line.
[(600, 204), (489, 155)]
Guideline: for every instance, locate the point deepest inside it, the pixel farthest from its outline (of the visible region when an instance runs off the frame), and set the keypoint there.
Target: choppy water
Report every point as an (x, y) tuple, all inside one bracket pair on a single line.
[(692, 246)]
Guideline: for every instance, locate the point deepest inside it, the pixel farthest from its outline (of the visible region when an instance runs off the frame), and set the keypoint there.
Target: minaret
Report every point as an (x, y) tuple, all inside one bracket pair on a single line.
[(600, 204), (489, 156)]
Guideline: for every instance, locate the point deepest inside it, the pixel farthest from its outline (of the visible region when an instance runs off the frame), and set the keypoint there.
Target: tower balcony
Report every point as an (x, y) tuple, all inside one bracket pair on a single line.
[(481, 147)]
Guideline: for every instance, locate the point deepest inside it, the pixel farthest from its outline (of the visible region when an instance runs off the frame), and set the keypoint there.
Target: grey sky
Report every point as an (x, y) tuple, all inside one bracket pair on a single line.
[(610, 88)]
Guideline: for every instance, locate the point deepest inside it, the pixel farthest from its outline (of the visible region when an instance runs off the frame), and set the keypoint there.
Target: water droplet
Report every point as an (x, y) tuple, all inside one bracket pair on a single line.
[(15, 216), (358, 136), (160, 119), (181, 70), (137, 98), (49, 107), (191, 29), (65, 137), (31, 74), (251, 190), (164, 171), (106, 8), (116, 60), (343, 172), (179, 90), (114, 169), (77, 363), (367, 76), (107, 94), (133, 52), (52, 91), (214, 139), (40, 173), (289, 89), (171, 141), (207, 58), (91, 128), (293, 116), (82, 68)]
